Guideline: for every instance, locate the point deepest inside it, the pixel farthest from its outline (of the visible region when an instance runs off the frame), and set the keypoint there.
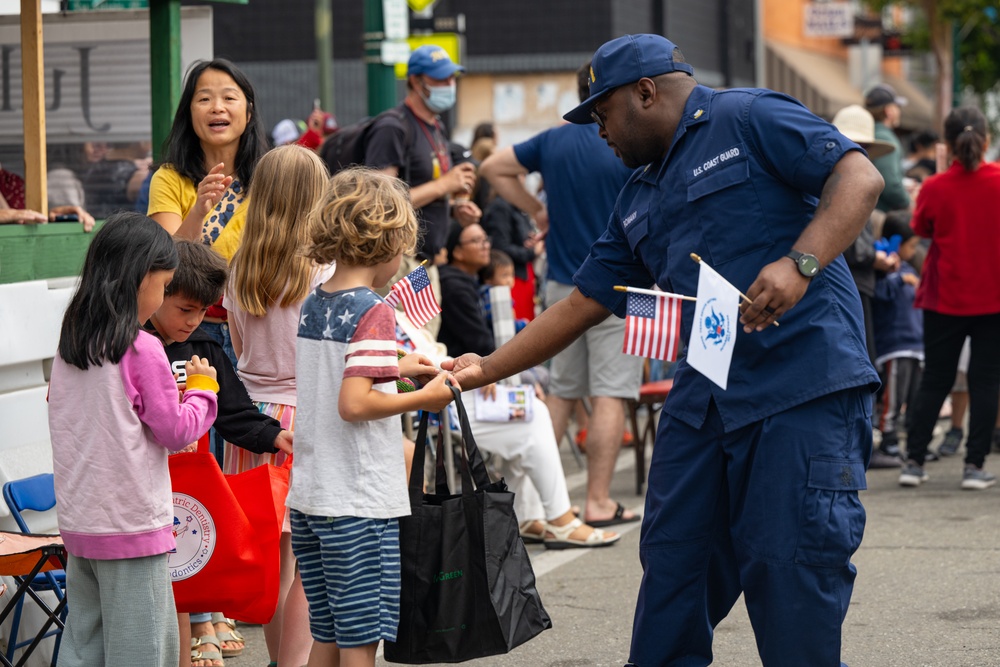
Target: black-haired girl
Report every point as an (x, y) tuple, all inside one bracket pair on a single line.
[(114, 416)]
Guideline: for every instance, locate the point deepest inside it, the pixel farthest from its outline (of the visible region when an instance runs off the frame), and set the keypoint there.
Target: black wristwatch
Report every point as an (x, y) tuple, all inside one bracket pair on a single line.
[(807, 264)]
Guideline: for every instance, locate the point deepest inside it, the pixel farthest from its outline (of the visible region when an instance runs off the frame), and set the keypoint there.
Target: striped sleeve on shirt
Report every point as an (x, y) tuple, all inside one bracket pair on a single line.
[(371, 352)]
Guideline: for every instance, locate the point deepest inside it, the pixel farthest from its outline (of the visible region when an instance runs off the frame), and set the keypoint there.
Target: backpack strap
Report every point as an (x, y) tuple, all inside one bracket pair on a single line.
[(408, 120)]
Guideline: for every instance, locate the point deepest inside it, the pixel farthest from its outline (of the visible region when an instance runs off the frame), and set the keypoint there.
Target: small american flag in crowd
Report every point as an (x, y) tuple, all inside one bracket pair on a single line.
[(415, 293), (652, 326)]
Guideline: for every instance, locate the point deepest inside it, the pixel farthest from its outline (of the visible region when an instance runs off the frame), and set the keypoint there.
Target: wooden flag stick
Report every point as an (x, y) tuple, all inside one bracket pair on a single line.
[(697, 259), (639, 290), (425, 262)]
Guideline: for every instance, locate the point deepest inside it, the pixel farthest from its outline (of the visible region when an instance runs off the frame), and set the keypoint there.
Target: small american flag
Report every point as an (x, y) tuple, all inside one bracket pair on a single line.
[(415, 293), (652, 326)]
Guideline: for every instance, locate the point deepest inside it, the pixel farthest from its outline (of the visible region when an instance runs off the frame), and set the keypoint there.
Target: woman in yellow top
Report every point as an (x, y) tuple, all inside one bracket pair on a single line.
[(199, 193), (217, 138)]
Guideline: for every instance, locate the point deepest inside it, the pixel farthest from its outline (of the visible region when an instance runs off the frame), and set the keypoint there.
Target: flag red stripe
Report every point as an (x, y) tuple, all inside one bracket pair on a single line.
[(656, 337)]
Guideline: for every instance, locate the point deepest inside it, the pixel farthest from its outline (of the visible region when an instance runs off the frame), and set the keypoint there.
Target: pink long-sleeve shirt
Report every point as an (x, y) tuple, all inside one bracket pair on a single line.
[(112, 427)]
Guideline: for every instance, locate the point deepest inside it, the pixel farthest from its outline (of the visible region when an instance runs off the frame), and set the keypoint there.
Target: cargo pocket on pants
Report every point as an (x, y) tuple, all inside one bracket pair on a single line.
[(832, 519)]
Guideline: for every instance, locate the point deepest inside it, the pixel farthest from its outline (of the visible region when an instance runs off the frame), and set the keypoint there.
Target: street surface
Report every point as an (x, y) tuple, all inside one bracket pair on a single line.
[(927, 593)]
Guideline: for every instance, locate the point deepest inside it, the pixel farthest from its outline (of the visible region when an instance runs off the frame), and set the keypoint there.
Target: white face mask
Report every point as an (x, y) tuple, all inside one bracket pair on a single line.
[(440, 98)]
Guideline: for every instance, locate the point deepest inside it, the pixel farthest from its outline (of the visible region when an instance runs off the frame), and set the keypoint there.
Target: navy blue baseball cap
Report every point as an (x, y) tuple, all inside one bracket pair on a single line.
[(626, 60), (433, 61)]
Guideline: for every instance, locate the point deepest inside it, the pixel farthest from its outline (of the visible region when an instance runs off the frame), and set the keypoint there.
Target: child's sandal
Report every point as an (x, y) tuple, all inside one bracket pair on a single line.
[(199, 655), (231, 635)]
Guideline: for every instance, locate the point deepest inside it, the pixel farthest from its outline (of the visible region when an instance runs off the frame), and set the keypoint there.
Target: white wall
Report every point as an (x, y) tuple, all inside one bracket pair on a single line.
[(30, 317)]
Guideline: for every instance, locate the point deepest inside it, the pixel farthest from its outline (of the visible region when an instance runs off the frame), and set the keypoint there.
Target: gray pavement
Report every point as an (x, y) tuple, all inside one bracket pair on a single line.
[(927, 593)]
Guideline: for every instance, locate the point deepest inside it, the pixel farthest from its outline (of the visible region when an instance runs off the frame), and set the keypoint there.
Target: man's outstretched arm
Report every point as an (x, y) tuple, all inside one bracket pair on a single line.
[(548, 334)]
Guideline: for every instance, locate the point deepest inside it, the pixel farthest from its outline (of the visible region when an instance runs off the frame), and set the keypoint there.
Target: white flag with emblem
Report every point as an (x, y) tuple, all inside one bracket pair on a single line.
[(713, 333)]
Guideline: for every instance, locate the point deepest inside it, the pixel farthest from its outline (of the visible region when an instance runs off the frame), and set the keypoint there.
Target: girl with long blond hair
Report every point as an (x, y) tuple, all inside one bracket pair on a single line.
[(269, 279)]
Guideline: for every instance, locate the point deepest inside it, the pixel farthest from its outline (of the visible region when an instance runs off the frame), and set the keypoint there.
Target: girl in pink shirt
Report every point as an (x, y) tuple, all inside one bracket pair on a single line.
[(269, 279), (114, 415)]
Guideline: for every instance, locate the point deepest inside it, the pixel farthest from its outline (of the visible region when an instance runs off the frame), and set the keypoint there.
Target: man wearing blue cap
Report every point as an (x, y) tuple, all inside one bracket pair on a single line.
[(420, 154), (752, 489)]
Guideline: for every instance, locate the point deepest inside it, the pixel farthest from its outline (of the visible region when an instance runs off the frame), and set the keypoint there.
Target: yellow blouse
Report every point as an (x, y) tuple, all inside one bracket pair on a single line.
[(169, 192)]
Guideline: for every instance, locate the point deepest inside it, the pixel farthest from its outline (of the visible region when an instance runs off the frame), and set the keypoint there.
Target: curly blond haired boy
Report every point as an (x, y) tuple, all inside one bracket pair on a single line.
[(349, 482)]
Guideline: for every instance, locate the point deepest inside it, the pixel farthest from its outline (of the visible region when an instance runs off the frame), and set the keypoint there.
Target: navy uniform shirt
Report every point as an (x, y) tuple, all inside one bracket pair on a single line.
[(739, 184)]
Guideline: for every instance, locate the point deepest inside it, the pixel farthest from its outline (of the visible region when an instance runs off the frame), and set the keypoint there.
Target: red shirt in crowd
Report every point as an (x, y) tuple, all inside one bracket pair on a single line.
[(960, 212)]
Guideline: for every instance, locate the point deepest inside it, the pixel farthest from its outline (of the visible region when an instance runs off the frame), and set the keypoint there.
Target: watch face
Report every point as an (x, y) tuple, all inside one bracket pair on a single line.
[(808, 265)]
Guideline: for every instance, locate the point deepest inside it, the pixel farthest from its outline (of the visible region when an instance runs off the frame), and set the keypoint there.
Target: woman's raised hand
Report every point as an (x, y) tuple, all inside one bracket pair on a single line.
[(211, 189)]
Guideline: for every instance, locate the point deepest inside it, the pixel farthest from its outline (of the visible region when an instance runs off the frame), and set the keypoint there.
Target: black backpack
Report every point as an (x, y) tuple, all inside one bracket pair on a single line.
[(346, 146)]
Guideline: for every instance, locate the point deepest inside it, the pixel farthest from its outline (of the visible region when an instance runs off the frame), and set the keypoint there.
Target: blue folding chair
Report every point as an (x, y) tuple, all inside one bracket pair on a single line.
[(37, 494)]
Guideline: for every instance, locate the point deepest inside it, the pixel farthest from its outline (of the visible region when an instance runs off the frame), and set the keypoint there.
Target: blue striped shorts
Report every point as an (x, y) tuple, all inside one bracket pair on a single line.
[(350, 572)]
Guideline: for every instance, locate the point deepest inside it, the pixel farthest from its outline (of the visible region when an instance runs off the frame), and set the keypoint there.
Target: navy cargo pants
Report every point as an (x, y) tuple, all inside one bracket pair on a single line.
[(770, 510)]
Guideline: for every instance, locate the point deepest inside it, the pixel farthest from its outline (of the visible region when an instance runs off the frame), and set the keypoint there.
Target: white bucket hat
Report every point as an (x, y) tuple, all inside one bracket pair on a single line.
[(855, 123)]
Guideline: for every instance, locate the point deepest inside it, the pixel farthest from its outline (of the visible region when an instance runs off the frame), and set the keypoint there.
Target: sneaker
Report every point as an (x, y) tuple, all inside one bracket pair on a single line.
[(881, 459), (952, 441), (976, 478), (890, 445), (912, 474)]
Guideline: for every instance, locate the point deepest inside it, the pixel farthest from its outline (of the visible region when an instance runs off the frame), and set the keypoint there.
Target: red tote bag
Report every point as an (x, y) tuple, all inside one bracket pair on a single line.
[(228, 530)]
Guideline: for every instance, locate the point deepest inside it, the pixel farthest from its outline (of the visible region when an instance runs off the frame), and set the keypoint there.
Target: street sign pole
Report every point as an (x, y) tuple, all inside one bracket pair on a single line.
[(381, 80), (164, 67)]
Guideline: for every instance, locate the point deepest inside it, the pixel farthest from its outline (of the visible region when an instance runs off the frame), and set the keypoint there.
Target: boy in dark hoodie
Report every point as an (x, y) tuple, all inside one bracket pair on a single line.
[(198, 283)]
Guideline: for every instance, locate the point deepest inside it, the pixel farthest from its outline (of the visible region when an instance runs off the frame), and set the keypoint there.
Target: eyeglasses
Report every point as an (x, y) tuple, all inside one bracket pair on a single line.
[(485, 241), (602, 118)]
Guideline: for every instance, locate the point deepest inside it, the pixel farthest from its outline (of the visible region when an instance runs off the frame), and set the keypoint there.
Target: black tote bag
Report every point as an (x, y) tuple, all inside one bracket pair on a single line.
[(468, 590)]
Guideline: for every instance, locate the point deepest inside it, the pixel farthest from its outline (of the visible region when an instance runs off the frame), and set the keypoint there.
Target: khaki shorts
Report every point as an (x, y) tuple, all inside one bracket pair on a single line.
[(594, 364)]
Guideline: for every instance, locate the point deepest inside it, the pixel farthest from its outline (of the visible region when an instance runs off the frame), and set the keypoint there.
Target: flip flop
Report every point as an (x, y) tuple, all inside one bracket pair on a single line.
[(616, 520)]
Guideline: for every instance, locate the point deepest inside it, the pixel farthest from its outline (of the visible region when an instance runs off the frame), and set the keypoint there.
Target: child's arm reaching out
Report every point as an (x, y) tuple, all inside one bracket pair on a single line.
[(418, 367), (360, 402)]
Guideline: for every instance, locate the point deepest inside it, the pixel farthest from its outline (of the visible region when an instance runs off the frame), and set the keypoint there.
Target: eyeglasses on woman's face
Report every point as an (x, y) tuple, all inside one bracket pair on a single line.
[(479, 241)]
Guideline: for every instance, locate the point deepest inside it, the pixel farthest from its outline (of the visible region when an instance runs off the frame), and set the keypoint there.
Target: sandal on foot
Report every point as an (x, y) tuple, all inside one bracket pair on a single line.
[(528, 536), (618, 519), (213, 656), (560, 537), (230, 635)]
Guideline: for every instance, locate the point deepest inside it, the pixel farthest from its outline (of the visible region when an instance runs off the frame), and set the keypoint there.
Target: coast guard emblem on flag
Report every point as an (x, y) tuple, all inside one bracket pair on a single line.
[(652, 326), (415, 293), (710, 350), (714, 326)]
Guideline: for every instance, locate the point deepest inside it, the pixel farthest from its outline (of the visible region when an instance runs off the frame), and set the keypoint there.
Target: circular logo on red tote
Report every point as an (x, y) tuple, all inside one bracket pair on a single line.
[(194, 531)]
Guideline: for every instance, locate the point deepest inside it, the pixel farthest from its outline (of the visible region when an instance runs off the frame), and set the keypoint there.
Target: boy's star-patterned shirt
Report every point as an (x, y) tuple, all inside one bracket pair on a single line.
[(359, 320), (346, 468)]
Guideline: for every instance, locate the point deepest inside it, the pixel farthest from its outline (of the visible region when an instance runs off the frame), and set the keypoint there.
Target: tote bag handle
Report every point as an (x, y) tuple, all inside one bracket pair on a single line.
[(473, 468)]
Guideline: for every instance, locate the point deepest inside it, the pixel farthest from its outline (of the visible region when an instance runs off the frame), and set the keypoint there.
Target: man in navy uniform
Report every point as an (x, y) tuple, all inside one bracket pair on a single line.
[(752, 489)]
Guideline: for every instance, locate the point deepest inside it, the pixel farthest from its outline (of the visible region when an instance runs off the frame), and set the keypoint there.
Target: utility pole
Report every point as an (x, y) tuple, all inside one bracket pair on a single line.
[(164, 67), (324, 53), (381, 78)]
